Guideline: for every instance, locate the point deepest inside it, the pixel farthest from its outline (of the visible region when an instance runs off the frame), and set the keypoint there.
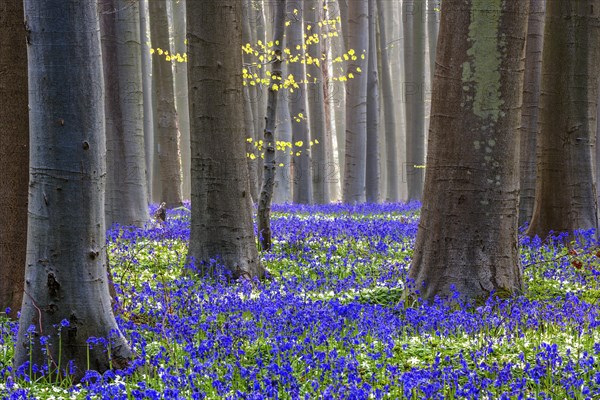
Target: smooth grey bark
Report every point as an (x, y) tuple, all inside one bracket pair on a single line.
[(529, 115), (373, 168), (126, 199), (468, 234), (66, 275), (270, 163), (316, 104), (414, 60), (387, 94), (565, 198), (181, 94), (433, 13), (251, 99), (301, 163), (14, 155), (221, 226), (356, 104), (283, 132), (147, 98), (166, 122)]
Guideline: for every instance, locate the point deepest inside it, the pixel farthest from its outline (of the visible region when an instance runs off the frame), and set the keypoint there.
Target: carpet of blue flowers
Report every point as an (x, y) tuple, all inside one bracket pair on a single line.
[(331, 320)]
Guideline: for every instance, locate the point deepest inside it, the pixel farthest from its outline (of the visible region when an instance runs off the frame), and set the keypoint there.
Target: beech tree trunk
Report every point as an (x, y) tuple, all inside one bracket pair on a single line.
[(356, 103), (565, 197), (283, 174), (414, 60), (166, 122), (221, 227), (467, 239), (14, 155), (147, 97), (181, 94), (66, 255), (391, 157), (316, 103), (126, 192), (301, 160), (373, 169), (270, 163), (529, 116)]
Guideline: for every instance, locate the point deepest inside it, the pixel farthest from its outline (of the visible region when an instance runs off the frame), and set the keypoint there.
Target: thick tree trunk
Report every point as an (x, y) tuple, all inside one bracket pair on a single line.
[(181, 94), (373, 171), (356, 103), (66, 258), (391, 156), (529, 119), (316, 103), (126, 199), (467, 238), (565, 198), (302, 171), (166, 122), (14, 155), (221, 227), (270, 163), (414, 59)]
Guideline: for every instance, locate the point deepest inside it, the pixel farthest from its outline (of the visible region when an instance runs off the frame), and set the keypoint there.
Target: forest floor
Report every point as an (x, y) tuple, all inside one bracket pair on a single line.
[(331, 321)]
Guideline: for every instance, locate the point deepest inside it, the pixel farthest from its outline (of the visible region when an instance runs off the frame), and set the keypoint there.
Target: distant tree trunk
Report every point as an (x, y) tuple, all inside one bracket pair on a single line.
[(373, 170), (147, 98), (250, 98), (181, 94), (467, 239), (14, 155), (316, 103), (126, 192), (414, 59), (356, 103), (565, 199), (302, 173), (283, 183), (221, 227), (166, 120), (392, 176), (66, 258), (433, 7), (270, 163), (529, 116)]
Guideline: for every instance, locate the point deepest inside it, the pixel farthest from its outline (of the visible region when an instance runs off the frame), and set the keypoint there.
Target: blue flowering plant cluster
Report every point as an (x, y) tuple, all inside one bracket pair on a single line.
[(331, 320)]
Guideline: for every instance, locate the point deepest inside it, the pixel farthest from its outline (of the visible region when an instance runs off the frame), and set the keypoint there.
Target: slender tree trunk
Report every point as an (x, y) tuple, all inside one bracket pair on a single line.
[(166, 119), (283, 182), (147, 98), (392, 177), (316, 102), (126, 199), (467, 239), (396, 48), (14, 155), (356, 103), (302, 172), (66, 258), (565, 199), (373, 169), (414, 59), (250, 97), (221, 227), (433, 21), (531, 97), (270, 163), (181, 94)]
